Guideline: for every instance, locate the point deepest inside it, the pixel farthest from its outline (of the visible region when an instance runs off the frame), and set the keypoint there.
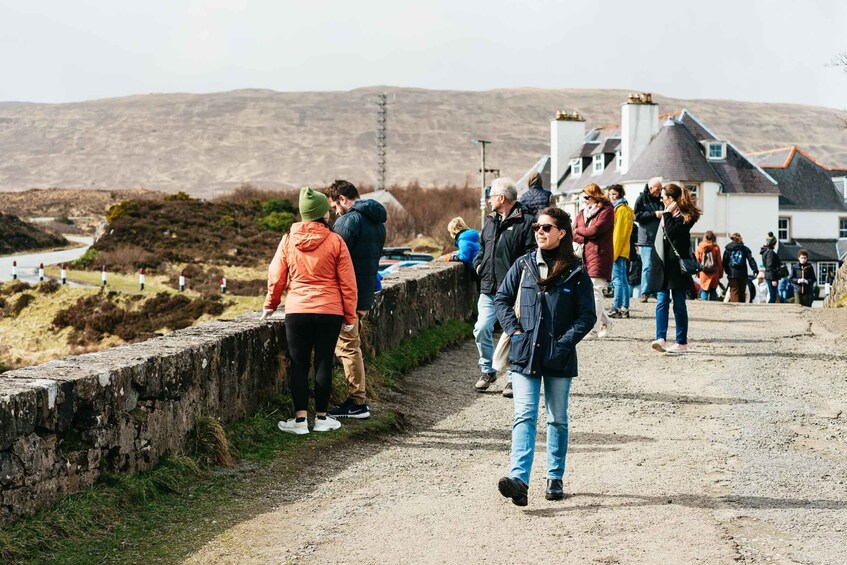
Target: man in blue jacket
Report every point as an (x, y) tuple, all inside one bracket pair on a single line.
[(361, 223)]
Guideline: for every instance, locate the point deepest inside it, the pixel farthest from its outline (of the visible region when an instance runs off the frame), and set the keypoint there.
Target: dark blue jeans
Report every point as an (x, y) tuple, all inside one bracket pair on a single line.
[(773, 293), (680, 315)]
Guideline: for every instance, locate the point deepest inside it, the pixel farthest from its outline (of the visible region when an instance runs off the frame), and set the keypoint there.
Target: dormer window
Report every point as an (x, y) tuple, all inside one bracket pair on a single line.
[(715, 150), (841, 184), (597, 164), (576, 167), (618, 160)]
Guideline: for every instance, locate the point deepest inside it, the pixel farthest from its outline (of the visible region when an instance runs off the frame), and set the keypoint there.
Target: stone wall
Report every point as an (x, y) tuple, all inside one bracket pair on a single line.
[(838, 292), (64, 423)]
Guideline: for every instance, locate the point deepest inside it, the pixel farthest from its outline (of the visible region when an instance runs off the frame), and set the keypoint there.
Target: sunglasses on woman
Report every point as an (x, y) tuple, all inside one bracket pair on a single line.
[(543, 227)]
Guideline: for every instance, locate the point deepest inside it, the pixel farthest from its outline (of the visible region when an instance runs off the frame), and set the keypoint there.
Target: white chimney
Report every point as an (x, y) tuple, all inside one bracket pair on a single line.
[(567, 133), (639, 123)]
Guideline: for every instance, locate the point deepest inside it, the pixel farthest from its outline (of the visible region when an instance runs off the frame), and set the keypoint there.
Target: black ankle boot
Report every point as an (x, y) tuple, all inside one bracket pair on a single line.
[(515, 489), (555, 491)]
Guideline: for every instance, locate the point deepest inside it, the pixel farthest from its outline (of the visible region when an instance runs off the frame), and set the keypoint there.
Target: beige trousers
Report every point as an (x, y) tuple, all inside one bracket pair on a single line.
[(599, 309), (349, 351)]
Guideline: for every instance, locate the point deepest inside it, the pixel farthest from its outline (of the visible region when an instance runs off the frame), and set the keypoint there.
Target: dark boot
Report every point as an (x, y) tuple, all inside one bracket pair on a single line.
[(555, 491), (515, 489)]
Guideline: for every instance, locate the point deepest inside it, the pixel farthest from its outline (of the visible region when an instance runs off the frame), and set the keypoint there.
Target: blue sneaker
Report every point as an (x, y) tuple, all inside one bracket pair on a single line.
[(349, 409)]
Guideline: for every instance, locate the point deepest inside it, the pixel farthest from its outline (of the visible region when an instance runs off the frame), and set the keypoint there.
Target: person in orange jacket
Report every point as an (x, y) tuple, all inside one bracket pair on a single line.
[(314, 264), (709, 255)]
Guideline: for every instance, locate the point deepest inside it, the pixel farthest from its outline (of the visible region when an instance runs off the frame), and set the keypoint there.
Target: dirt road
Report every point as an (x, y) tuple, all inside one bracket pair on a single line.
[(734, 453)]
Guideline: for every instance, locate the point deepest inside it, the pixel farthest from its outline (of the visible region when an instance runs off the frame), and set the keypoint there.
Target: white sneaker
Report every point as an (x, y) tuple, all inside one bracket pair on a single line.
[(326, 425), (604, 330), (660, 345), (292, 426), (677, 349)]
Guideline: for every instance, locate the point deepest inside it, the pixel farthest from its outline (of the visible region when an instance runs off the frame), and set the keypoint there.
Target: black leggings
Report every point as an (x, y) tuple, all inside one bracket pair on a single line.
[(305, 332)]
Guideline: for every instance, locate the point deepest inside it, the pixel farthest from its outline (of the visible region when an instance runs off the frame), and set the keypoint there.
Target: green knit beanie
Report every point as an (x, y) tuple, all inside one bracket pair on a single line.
[(313, 204)]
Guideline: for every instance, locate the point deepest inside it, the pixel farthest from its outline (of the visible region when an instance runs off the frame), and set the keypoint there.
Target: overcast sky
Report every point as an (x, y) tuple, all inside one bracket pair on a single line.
[(775, 50)]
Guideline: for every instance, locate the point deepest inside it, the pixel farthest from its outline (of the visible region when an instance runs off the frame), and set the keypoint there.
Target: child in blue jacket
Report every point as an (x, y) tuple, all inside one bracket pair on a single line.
[(467, 240)]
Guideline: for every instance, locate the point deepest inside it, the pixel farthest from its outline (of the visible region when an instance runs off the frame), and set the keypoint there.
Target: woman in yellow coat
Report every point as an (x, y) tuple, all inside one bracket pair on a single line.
[(624, 218)]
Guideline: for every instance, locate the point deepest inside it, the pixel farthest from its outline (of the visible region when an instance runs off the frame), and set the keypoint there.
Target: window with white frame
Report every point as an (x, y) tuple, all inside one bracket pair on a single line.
[(824, 268), (576, 167), (784, 231), (716, 150), (841, 184), (618, 160), (694, 189), (597, 164), (842, 227)]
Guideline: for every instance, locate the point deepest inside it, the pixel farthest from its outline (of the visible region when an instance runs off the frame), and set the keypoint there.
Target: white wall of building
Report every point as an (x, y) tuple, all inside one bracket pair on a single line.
[(813, 225)]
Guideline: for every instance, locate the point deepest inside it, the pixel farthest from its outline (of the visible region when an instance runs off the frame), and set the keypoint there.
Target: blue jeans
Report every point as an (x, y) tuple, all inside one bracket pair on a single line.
[(483, 331), (646, 253), (708, 294), (527, 391), (680, 315), (621, 284), (773, 293)]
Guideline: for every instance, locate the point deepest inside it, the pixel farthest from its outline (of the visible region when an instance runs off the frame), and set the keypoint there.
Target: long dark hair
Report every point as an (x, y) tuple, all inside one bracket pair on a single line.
[(564, 254), (683, 198)]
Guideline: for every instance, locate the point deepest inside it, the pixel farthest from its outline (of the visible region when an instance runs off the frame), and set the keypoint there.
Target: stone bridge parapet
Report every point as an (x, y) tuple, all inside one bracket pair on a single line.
[(66, 422)]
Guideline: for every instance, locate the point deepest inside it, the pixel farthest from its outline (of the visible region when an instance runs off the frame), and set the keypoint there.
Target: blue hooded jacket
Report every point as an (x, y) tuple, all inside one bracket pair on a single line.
[(468, 243), (363, 229)]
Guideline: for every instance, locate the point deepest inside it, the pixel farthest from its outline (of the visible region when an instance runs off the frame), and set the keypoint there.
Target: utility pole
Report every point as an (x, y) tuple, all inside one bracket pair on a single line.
[(381, 117), (482, 170)]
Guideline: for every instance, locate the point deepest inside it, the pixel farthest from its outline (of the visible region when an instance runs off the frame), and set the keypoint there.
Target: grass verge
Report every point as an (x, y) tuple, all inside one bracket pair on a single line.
[(165, 514)]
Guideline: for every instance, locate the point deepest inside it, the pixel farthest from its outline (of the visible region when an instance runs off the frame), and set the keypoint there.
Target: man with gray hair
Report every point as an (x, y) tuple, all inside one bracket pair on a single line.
[(506, 236), (648, 212)]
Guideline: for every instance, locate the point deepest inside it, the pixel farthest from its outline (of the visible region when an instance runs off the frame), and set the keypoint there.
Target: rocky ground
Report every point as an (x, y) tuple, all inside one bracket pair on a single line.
[(733, 453)]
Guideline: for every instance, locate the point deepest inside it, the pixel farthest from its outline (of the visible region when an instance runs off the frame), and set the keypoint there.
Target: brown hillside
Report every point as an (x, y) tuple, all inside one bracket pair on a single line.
[(69, 203), (208, 143), (17, 235)]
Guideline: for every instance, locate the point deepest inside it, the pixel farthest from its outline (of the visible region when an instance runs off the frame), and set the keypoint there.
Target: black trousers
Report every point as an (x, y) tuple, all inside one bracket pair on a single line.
[(306, 333)]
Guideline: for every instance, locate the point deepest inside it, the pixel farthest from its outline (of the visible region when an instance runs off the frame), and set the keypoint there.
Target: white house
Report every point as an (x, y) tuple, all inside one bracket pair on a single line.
[(733, 192), (812, 207)]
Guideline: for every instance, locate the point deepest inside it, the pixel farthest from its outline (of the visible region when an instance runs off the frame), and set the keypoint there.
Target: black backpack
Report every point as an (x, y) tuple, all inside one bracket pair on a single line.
[(709, 264)]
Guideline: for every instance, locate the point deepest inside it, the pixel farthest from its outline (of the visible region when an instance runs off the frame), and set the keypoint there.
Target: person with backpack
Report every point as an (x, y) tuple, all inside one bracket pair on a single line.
[(773, 267), (709, 255), (803, 278), (736, 257)]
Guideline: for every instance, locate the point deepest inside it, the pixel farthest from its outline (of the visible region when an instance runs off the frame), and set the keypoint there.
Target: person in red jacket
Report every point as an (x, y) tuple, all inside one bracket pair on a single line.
[(314, 264), (594, 229)]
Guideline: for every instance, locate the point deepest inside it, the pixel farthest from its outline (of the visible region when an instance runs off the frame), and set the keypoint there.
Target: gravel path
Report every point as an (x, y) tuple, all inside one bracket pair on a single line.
[(733, 453)]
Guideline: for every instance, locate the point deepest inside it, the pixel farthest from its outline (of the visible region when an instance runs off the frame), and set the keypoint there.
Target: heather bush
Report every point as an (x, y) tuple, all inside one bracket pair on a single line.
[(127, 258), (21, 303), (49, 286)]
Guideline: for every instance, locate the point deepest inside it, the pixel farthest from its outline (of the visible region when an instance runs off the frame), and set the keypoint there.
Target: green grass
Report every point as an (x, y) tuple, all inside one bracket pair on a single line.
[(167, 513)]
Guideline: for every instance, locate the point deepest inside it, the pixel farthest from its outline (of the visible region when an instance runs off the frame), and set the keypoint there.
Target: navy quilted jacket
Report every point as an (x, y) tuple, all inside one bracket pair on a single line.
[(553, 321), (363, 229)]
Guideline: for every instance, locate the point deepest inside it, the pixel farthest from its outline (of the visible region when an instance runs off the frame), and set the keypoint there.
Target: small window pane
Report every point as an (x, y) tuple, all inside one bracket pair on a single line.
[(784, 229), (842, 227)]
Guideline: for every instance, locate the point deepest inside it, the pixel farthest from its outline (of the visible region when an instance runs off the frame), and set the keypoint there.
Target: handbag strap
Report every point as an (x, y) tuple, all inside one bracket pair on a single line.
[(665, 235)]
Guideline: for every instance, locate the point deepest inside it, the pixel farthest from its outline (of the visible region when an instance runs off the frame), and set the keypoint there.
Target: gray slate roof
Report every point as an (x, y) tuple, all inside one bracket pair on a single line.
[(739, 175), (673, 154), (819, 249), (806, 185)]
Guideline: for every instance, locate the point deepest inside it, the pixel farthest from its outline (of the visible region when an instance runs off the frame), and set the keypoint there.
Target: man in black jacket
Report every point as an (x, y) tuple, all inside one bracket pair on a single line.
[(772, 263), (648, 213), (506, 236), (736, 257), (361, 223), (537, 197)]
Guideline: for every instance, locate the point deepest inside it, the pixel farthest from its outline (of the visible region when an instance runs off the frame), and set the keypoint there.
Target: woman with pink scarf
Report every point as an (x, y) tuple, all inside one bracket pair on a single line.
[(594, 229)]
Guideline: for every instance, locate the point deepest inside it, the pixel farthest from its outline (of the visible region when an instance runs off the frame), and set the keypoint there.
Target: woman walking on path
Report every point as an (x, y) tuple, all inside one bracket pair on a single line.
[(621, 235), (709, 255), (594, 229), (554, 296), (314, 264), (667, 278), (772, 265)]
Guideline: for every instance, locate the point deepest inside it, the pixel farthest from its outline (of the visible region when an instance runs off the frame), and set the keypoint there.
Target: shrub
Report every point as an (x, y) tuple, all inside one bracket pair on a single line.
[(179, 196), (279, 222), (208, 443), (87, 259), (21, 303), (116, 211), (278, 205), (49, 286), (14, 287), (127, 258)]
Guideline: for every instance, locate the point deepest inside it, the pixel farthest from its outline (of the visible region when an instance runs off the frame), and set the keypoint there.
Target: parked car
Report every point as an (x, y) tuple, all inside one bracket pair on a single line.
[(404, 254), (397, 265)]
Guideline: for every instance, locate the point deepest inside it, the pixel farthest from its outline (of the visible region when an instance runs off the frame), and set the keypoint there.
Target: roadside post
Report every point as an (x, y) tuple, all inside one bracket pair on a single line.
[(141, 279), (64, 274), (181, 281), (223, 285), (41, 272), (14, 270), (103, 275)]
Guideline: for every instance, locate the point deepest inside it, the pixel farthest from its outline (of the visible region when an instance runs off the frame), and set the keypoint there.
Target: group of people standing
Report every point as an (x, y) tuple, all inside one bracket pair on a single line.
[(330, 275)]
